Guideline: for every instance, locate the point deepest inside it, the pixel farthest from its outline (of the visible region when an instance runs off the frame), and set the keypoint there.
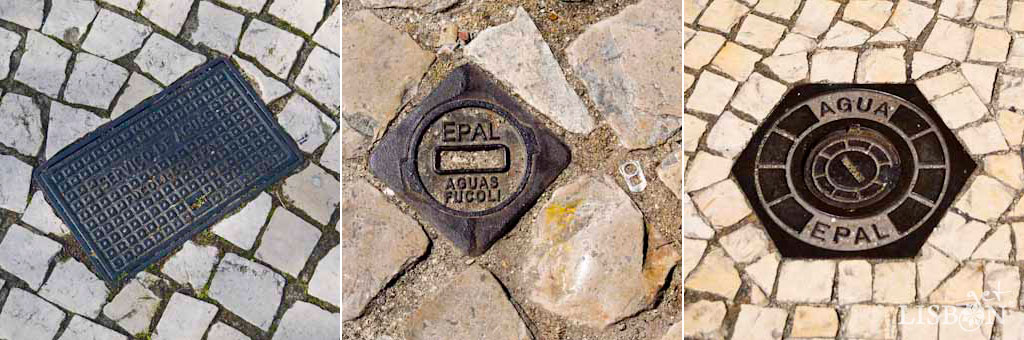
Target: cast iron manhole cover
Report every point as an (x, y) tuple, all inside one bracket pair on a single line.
[(852, 171), (140, 186), (469, 159)]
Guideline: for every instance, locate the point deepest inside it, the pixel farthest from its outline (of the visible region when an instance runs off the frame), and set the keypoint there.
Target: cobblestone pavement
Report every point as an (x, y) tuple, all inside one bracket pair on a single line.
[(966, 56), (590, 260), (270, 270)]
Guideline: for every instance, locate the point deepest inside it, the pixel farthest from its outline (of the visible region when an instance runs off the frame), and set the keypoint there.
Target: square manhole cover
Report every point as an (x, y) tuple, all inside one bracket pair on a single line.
[(140, 186), (842, 170)]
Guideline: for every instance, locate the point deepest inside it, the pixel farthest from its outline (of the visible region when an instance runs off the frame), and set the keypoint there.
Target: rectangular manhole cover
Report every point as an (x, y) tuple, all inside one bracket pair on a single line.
[(140, 186)]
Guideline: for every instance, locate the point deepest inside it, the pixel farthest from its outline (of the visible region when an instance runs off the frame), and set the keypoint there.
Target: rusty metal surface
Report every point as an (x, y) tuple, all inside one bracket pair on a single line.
[(469, 159), (841, 170)]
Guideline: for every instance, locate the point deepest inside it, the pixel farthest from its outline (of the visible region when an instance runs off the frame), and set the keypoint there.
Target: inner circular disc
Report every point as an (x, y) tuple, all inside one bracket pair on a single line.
[(471, 159)]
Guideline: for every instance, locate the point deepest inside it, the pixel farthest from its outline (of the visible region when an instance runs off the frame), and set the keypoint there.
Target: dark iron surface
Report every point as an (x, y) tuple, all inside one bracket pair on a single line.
[(852, 170), (141, 185), (503, 159)]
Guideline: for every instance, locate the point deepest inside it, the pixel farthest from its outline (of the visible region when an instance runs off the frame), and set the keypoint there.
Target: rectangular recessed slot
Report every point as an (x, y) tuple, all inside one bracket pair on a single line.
[(471, 159)]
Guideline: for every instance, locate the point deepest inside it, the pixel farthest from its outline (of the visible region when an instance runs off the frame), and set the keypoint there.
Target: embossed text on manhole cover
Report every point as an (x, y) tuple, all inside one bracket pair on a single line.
[(469, 159), (140, 186), (852, 171)]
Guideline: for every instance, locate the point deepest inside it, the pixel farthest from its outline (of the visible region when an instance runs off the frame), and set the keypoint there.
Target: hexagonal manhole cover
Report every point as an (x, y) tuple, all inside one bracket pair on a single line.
[(842, 170), (469, 159)]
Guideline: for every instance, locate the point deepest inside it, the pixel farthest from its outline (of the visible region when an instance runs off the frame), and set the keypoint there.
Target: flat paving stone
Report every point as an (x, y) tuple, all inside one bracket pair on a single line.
[(882, 65), (474, 292), (221, 331), (28, 14), (854, 282), (957, 289), (592, 235), (75, 288), (702, 48), (250, 290), (759, 32), (134, 307), (630, 66), (327, 35), (722, 15), (269, 88), (871, 322), (949, 39), (755, 322), (250, 5), (218, 28), (27, 255), (932, 268), (985, 198), (304, 321), (68, 19), (378, 242), (287, 242), (711, 93), (836, 66), (94, 81), (319, 77), (138, 89), (758, 95), (274, 48), (354, 143), (330, 158), (184, 318), (703, 318), (82, 329), (112, 36), (22, 116), (301, 14), (693, 250), (670, 172), (168, 14), (729, 135), (843, 34), (314, 191), (982, 78), (307, 125), (40, 215), (378, 76), (894, 282), (191, 265), (165, 60), (14, 185), (989, 45), (68, 124), (722, 203), (806, 281), (43, 64), (9, 41), (958, 9), (811, 322), (242, 228), (326, 281), (502, 49), (735, 61), (26, 316), (716, 274), (957, 238), (746, 244), (910, 18)]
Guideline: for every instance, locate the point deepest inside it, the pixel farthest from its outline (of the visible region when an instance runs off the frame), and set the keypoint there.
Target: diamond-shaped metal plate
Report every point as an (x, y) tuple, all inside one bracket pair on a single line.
[(845, 170), (141, 185), (469, 159)]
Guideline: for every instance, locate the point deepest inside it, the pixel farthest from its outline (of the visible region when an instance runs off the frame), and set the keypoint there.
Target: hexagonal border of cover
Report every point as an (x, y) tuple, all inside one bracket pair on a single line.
[(473, 233), (791, 247)]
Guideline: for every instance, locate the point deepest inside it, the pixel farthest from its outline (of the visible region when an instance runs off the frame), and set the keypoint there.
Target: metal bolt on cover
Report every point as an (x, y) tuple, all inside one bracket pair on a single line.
[(844, 170), (469, 159)]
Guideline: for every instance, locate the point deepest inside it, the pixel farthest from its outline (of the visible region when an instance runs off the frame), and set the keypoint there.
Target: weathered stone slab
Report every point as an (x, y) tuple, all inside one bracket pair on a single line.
[(378, 241), (301, 14), (43, 64), (184, 318), (191, 265), (26, 316), (505, 49), (305, 321), (309, 127), (82, 329), (321, 77), (68, 19), (28, 14), (287, 242), (218, 28), (134, 307), (40, 215), (269, 88), (27, 255), (326, 281), (474, 292), (138, 89), (274, 48), (112, 36), (75, 288), (379, 77), (242, 228), (630, 65), (591, 234), (165, 60), (94, 81), (250, 290), (68, 124), (168, 14), (22, 116)]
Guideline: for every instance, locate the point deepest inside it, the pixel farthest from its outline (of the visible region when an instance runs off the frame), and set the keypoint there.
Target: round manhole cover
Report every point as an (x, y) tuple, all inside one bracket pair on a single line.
[(469, 159), (852, 169), (472, 159)]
